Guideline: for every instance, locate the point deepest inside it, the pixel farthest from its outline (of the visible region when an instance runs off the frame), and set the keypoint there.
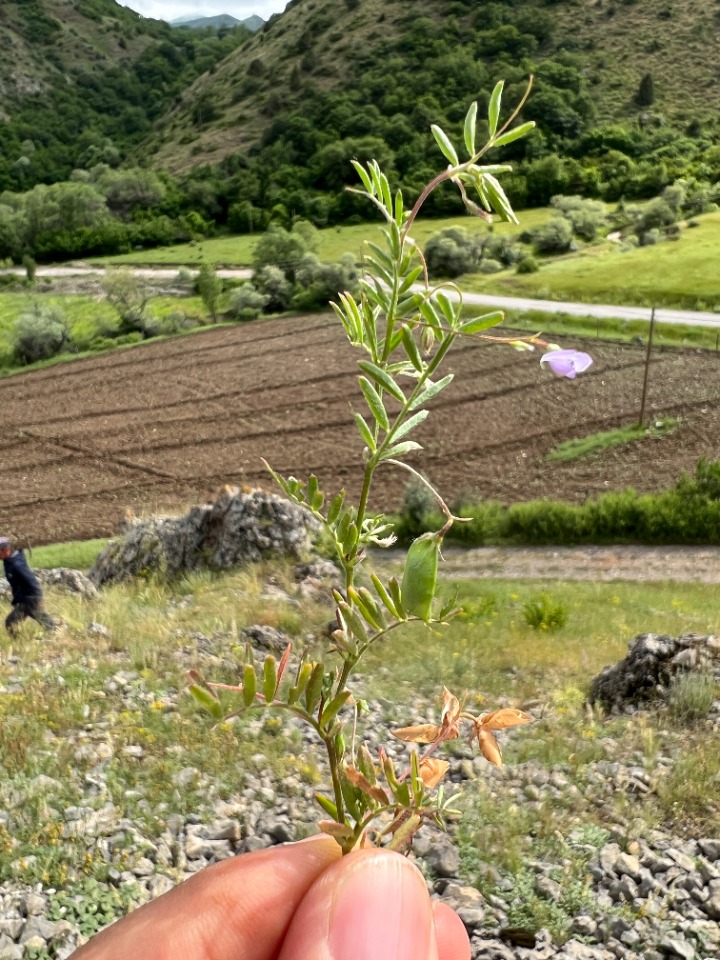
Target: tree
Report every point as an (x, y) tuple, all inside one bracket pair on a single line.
[(285, 248), (209, 287), (130, 296), (645, 96)]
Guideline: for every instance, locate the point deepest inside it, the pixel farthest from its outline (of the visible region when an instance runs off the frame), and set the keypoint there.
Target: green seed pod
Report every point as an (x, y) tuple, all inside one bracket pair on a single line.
[(334, 707), (303, 679), (420, 575), (249, 684), (270, 680), (313, 690)]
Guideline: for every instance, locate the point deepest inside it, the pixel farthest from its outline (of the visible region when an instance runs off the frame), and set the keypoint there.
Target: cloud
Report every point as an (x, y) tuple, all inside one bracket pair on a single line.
[(171, 9)]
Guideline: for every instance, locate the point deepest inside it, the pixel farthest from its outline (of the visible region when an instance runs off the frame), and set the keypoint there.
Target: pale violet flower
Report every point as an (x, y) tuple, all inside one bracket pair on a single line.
[(567, 363)]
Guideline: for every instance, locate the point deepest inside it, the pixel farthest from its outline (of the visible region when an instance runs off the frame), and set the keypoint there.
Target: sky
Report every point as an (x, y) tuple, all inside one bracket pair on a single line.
[(170, 9)]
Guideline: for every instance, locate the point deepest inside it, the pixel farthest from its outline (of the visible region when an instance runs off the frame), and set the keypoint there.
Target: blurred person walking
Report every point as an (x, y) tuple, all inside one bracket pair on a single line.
[(27, 596)]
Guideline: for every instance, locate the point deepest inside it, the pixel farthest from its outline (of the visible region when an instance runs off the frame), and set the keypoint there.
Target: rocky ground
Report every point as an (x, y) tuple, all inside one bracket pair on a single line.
[(618, 890)]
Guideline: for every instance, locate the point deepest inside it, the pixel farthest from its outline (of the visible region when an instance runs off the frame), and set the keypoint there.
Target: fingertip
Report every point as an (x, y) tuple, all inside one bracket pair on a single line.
[(452, 939)]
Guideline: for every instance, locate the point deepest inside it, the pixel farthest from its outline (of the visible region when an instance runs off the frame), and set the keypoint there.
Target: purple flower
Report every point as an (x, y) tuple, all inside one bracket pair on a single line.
[(567, 363)]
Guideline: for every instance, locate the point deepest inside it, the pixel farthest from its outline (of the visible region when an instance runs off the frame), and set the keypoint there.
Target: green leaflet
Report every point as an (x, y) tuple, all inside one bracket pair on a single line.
[(482, 323), (470, 126), (409, 425), (432, 390), (514, 134), (494, 108), (442, 140), (374, 403), (382, 379)]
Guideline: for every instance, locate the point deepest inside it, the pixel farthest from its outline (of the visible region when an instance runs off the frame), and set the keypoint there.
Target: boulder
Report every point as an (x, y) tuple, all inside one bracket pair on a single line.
[(239, 527), (63, 579), (646, 673)]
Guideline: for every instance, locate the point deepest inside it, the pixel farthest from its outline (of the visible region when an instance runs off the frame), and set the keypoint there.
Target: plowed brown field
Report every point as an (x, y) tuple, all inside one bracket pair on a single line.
[(161, 425)]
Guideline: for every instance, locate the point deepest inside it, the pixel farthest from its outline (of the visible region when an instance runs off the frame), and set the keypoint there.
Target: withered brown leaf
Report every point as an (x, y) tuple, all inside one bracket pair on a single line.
[(422, 733), (506, 717), (489, 746), (432, 771)]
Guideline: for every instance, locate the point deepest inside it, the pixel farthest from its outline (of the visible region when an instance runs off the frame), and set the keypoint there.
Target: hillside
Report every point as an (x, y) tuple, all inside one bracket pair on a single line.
[(81, 80), (348, 67)]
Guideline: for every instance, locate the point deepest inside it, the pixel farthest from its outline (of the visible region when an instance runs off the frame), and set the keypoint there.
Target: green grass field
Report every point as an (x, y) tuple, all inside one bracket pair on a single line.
[(334, 242), (87, 316), (681, 273)]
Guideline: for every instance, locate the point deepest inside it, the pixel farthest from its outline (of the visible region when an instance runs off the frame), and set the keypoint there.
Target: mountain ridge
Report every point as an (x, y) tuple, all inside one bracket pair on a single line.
[(324, 44), (252, 23)]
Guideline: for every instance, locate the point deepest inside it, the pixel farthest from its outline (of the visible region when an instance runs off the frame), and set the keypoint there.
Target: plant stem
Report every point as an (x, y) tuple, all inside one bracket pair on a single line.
[(335, 774)]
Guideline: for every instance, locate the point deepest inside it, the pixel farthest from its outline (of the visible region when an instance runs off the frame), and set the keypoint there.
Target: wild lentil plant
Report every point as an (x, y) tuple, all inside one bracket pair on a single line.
[(405, 327)]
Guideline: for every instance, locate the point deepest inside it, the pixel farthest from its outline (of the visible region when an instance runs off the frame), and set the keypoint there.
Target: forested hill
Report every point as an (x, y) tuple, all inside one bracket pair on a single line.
[(83, 80), (357, 68)]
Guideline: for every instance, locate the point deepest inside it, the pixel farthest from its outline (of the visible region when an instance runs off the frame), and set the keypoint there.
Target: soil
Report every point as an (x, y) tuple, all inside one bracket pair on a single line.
[(165, 424)]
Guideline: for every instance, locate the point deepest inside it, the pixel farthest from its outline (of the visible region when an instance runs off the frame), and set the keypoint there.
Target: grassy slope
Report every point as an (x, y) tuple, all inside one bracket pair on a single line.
[(90, 43), (682, 273), (490, 653), (620, 43)]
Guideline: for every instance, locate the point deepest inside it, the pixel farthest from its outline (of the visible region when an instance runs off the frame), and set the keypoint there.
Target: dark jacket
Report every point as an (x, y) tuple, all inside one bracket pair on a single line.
[(23, 582)]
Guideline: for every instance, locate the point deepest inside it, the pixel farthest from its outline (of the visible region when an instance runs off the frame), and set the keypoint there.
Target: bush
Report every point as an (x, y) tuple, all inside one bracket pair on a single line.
[(544, 613), (285, 249), (246, 303), (553, 237), (587, 218), (129, 295), (273, 284), (490, 266), (650, 238), (527, 265), (40, 334), (656, 215), (451, 253), (318, 283)]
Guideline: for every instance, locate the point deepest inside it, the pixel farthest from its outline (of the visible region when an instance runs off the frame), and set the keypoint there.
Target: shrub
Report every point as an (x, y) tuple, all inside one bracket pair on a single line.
[(273, 284), (527, 265), (586, 217), (553, 237), (650, 238), (450, 253), (490, 266), (285, 249), (544, 613), (246, 303), (319, 282), (40, 334), (129, 295), (656, 215)]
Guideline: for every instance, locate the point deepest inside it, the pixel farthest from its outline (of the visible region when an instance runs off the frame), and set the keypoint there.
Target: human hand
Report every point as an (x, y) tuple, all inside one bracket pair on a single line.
[(299, 901)]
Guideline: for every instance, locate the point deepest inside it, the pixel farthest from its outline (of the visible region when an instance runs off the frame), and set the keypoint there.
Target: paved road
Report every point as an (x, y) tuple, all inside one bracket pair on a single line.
[(692, 318), (631, 564), (695, 318)]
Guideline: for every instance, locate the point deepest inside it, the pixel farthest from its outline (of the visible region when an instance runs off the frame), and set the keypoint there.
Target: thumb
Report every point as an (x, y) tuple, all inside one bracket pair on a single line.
[(371, 905)]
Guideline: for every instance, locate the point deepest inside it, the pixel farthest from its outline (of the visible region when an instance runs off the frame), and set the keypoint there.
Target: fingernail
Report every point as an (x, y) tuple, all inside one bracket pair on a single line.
[(381, 911)]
